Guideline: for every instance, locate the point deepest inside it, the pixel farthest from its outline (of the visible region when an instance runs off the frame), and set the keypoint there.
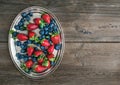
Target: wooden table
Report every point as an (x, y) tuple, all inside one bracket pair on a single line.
[(92, 36)]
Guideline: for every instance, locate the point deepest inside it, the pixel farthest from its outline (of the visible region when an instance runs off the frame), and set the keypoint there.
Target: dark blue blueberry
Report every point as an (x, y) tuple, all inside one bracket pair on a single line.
[(14, 34), (25, 58), (52, 63), (46, 32), (53, 21), (46, 28), (34, 59), (29, 41), (23, 51), (45, 52), (55, 27), (16, 27), (27, 18), (18, 43), (43, 36), (55, 30), (51, 25), (22, 20), (42, 48), (37, 44), (23, 46), (36, 48), (58, 46), (42, 32), (24, 14), (18, 54), (19, 57), (30, 14), (20, 23), (50, 29)]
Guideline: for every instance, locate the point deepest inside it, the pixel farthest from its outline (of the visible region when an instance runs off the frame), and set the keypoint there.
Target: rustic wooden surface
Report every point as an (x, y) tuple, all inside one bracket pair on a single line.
[(92, 36)]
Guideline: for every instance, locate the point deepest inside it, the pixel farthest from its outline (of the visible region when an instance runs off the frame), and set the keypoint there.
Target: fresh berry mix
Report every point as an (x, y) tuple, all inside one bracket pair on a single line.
[(38, 38)]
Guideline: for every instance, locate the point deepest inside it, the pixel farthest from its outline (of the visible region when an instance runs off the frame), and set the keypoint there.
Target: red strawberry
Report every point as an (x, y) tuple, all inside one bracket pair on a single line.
[(55, 39), (40, 59), (32, 26), (49, 56), (37, 21), (31, 34), (22, 37), (30, 51), (46, 18), (46, 64), (51, 49), (39, 68), (29, 63), (38, 53), (45, 43)]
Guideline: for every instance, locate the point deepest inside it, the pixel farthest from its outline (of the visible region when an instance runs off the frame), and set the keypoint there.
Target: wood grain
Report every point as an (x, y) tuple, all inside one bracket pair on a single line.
[(82, 21), (85, 63)]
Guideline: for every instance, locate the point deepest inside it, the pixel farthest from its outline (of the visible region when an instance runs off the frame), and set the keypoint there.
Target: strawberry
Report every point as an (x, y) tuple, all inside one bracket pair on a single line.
[(30, 51), (37, 21), (55, 39), (50, 49), (46, 18), (45, 43), (22, 37), (32, 26), (38, 53), (46, 63), (49, 56), (31, 35), (39, 68), (40, 59), (29, 63)]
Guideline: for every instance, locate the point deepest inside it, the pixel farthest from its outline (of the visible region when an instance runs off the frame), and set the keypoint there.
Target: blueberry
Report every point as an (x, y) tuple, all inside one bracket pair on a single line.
[(52, 63), (45, 52), (20, 23), (37, 44), (42, 32), (50, 29), (46, 28), (18, 54), (22, 20), (51, 25), (43, 36), (34, 59), (42, 48), (30, 14), (19, 57), (27, 18), (25, 58), (36, 48), (14, 34), (16, 27), (52, 21), (23, 51), (18, 43), (29, 41), (23, 46), (55, 27), (58, 46), (24, 14)]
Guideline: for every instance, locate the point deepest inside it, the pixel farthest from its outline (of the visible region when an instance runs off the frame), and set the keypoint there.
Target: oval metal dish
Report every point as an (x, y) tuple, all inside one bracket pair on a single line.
[(13, 49)]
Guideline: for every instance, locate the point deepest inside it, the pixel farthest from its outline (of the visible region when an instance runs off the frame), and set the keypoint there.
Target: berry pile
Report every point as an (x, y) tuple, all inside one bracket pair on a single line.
[(38, 38)]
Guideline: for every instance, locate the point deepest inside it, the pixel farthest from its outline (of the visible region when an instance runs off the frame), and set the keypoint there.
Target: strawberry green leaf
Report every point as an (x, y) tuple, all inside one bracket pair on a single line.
[(45, 63), (11, 31), (32, 38), (52, 59)]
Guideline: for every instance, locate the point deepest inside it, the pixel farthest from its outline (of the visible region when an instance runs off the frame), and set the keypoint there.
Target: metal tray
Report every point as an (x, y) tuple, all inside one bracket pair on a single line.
[(13, 49)]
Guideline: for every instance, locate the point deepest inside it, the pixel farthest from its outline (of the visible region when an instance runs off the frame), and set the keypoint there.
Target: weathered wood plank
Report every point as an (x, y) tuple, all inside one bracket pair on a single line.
[(81, 23), (83, 63)]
